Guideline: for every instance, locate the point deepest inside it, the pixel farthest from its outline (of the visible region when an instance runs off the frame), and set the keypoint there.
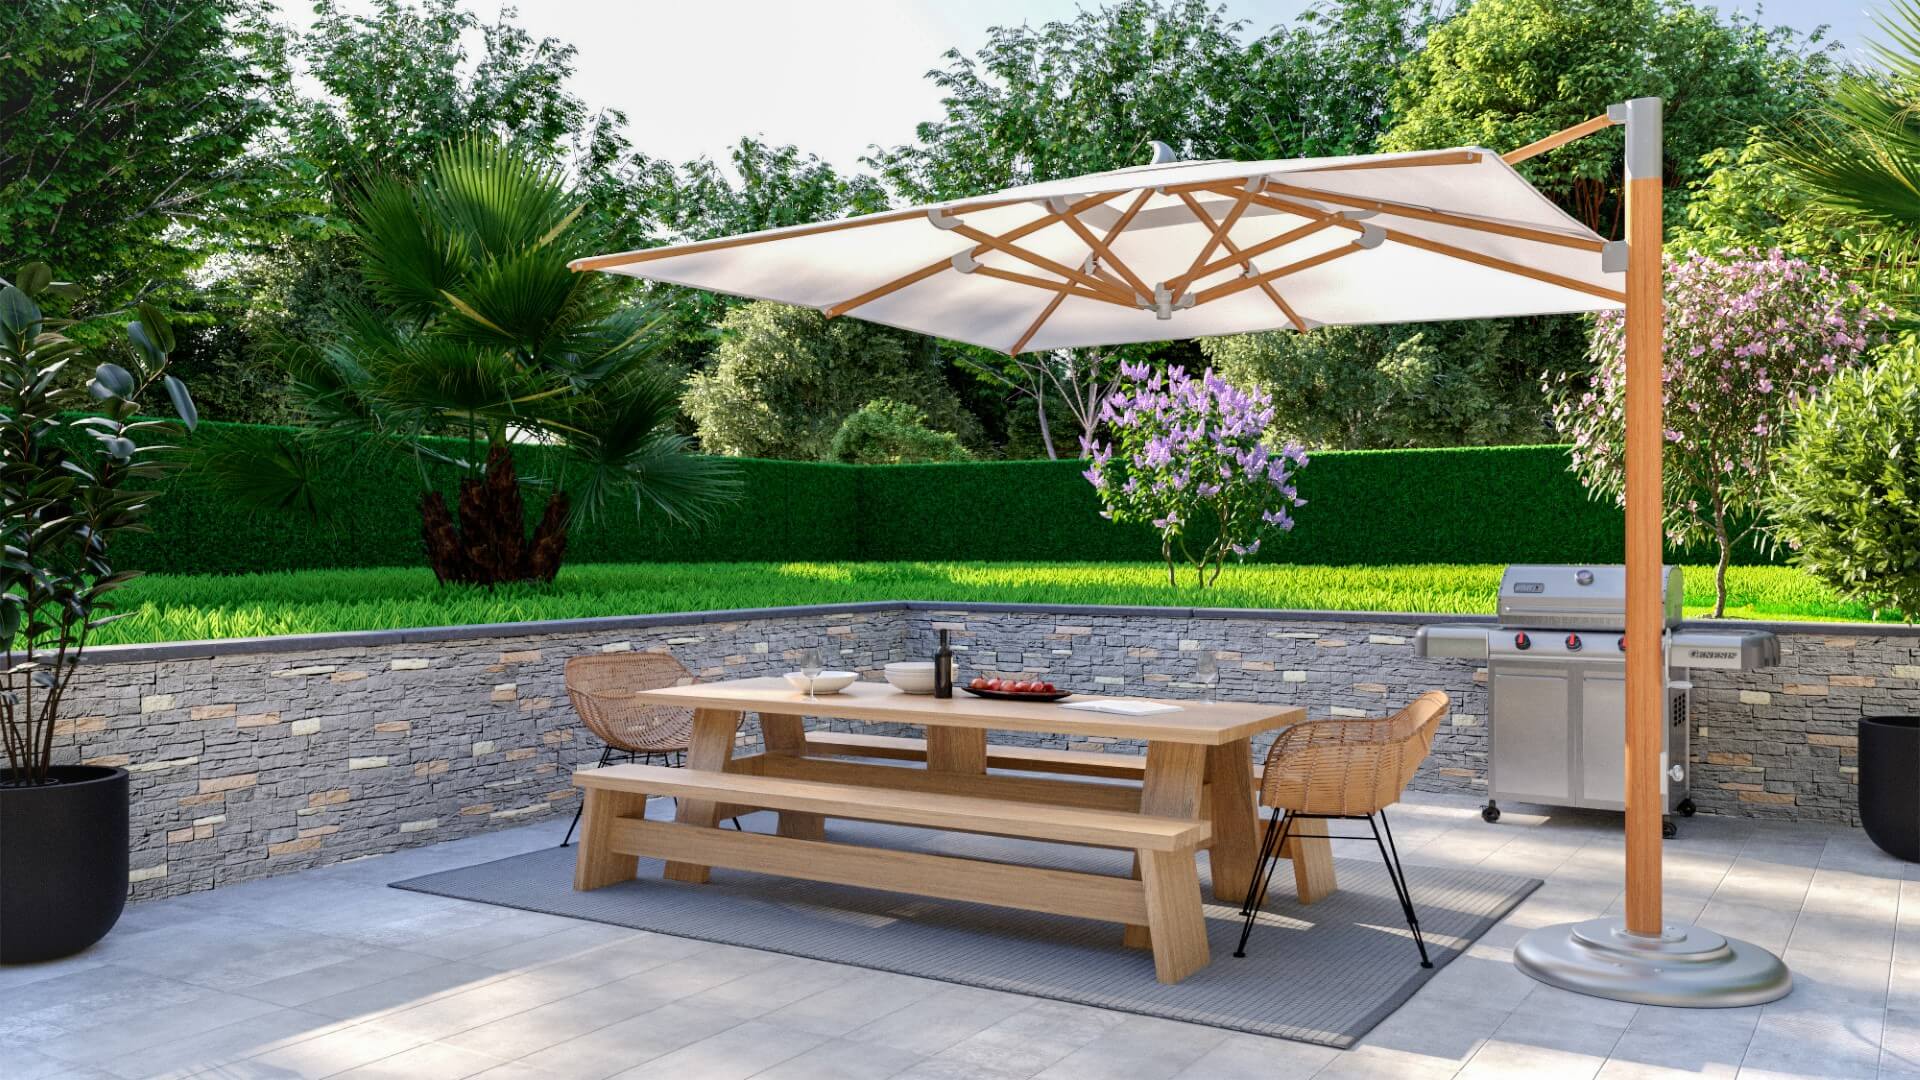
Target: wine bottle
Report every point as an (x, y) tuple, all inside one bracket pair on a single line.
[(943, 669)]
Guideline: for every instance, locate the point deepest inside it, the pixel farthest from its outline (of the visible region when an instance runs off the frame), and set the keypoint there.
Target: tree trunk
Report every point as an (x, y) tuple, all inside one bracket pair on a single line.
[(488, 544), (1046, 431), (1720, 573)]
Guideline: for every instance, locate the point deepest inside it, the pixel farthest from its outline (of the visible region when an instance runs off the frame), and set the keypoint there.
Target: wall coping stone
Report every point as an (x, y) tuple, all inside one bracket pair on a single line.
[(351, 639)]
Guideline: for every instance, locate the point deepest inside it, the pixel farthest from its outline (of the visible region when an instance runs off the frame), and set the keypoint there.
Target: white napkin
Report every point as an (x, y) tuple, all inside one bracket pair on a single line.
[(1124, 708)]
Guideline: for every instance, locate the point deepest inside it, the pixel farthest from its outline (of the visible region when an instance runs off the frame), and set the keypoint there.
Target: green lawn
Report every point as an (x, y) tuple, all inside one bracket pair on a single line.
[(189, 607)]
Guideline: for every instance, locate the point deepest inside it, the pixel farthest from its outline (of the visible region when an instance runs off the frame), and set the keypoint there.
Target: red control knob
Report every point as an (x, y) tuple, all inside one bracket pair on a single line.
[(1573, 642), (1623, 643), (1522, 641)]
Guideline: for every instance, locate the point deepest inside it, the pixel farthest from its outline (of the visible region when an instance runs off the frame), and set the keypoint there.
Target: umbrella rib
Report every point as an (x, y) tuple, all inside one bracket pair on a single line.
[(1449, 250), (1047, 313), (1009, 248), (1239, 284), (1273, 294), (1064, 288), (1100, 247), (1441, 217), (931, 269), (1217, 231), (1240, 258)]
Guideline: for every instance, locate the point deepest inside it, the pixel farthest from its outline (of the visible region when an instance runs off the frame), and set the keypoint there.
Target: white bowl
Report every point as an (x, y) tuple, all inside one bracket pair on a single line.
[(911, 676), (827, 682)]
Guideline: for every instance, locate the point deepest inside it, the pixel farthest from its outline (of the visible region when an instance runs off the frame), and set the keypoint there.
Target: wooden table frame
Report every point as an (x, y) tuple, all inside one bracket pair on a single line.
[(1198, 766)]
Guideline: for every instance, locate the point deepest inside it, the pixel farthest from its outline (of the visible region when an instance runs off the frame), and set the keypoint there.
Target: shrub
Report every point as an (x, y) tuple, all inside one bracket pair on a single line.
[(1188, 452), (1846, 497), (1747, 335), (887, 432)]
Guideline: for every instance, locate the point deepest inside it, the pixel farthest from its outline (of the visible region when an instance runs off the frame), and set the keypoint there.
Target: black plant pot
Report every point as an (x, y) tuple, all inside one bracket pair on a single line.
[(1890, 783), (63, 862)]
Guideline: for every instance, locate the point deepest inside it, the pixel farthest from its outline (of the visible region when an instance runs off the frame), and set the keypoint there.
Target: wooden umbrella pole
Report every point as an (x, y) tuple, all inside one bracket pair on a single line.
[(1645, 623)]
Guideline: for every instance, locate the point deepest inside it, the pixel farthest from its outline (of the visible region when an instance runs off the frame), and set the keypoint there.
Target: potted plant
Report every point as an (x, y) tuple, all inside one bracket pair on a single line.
[(74, 475)]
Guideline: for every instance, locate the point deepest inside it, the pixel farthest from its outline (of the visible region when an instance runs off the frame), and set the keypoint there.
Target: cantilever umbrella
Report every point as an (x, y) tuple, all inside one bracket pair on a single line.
[(1185, 249)]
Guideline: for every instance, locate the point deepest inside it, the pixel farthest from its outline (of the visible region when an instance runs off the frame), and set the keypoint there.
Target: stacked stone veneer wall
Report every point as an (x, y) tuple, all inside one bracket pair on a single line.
[(256, 758)]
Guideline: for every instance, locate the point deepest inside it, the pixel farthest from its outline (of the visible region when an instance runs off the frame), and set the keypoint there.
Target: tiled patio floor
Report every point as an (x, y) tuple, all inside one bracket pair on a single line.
[(331, 973)]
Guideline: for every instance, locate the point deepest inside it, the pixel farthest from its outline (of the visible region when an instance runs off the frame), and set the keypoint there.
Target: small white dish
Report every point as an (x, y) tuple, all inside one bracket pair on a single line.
[(911, 676), (827, 682)]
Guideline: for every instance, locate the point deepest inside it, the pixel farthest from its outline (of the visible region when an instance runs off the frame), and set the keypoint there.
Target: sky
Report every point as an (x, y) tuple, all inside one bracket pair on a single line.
[(833, 76)]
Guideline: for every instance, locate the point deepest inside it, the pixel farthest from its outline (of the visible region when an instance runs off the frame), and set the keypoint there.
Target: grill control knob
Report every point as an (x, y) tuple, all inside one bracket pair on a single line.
[(1573, 642), (1623, 643), (1522, 642)]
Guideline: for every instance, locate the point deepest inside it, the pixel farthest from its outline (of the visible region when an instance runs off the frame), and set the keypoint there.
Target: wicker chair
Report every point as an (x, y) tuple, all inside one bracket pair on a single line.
[(602, 688), (1348, 770)]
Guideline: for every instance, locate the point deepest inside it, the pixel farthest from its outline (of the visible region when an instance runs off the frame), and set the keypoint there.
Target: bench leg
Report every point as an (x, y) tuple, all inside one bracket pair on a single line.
[(710, 749), (1235, 819), (1174, 914), (596, 865), (788, 734), (1171, 788)]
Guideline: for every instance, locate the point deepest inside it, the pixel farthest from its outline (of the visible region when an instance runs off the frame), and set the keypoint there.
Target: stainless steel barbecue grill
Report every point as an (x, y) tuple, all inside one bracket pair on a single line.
[(1556, 685)]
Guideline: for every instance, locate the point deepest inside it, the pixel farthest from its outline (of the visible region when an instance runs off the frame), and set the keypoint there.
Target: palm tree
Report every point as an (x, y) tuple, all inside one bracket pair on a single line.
[(1860, 157), (473, 326)]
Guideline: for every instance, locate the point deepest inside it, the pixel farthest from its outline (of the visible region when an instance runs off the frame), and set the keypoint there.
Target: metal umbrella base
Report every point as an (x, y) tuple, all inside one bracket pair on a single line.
[(1687, 967)]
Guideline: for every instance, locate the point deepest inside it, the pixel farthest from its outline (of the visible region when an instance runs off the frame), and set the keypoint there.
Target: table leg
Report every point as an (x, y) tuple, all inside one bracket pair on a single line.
[(956, 750), (1235, 818), (709, 749), (788, 734), (1171, 788), (1312, 855)]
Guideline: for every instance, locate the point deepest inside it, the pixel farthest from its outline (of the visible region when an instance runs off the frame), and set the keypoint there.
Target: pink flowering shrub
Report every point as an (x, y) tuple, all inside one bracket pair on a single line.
[(1748, 335), (1188, 457)]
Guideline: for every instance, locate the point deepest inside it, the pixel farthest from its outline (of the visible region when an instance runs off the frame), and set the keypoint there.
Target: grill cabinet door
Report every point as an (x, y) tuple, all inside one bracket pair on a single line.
[(1603, 738), (1530, 736)]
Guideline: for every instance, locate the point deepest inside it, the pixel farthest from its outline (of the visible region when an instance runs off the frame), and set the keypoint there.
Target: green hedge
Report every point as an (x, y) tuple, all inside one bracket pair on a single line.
[(1472, 505)]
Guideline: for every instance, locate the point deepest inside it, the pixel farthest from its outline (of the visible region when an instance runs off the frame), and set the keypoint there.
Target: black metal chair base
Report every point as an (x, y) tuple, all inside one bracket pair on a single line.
[(1280, 826), (672, 759)]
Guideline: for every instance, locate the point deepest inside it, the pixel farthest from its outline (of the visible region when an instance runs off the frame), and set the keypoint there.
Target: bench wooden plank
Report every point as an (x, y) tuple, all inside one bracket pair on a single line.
[(1062, 892), (1026, 758), (1091, 796), (1033, 821)]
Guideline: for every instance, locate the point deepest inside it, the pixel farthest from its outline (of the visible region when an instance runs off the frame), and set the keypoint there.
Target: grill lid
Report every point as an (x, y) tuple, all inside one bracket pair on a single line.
[(1577, 597)]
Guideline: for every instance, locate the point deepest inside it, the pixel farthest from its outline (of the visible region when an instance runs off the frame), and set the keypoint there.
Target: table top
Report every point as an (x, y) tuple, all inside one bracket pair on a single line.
[(1211, 724)]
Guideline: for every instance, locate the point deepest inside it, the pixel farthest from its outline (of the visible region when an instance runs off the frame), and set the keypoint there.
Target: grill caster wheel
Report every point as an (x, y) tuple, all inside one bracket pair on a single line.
[(1686, 808), (1668, 830), (1490, 813)]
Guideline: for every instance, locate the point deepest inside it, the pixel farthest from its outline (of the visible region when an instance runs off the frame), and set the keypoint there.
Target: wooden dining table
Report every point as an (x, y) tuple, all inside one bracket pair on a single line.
[(1198, 764)]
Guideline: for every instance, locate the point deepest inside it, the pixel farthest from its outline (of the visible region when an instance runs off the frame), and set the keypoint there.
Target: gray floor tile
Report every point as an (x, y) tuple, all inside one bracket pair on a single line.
[(739, 1052)]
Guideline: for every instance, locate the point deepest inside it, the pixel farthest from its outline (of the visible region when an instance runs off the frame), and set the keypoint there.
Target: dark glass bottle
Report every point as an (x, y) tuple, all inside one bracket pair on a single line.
[(943, 669)]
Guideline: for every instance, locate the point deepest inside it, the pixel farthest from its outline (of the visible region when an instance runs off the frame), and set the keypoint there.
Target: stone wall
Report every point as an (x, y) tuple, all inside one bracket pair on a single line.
[(259, 757)]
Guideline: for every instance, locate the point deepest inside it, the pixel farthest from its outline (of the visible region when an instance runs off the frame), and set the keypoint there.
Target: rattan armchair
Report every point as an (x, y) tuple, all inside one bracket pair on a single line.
[(602, 689), (1348, 770)]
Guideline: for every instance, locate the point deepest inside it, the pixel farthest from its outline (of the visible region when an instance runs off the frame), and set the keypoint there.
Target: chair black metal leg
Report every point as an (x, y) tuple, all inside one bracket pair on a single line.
[(1398, 875), (1267, 844), (1263, 874), (606, 755)]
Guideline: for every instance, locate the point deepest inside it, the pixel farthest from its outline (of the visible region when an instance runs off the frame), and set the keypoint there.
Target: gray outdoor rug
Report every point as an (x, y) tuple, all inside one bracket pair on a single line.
[(1325, 973)]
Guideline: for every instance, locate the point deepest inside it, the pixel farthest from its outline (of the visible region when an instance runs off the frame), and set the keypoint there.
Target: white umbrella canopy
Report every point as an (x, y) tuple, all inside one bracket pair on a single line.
[(1178, 250)]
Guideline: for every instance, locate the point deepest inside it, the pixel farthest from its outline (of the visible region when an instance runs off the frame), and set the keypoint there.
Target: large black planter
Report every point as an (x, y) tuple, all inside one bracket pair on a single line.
[(1890, 783), (63, 862)]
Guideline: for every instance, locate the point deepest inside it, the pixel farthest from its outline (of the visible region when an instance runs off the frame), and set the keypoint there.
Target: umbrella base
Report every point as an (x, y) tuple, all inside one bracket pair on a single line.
[(1685, 967)]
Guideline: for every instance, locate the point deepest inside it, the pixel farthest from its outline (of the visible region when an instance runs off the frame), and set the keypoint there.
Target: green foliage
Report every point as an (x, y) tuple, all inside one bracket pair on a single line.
[(1506, 72), (191, 608), (1846, 496), (70, 489), (1407, 385), (124, 133), (784, 379), (1090, 93), (885, 432), (1860, 160)]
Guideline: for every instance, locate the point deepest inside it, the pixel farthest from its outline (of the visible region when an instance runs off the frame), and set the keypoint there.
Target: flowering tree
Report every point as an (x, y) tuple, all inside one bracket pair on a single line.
[(1187, 452), (1747, 336)]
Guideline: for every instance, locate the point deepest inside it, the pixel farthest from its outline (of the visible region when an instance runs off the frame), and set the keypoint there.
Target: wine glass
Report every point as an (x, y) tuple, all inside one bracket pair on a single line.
[(811, 666), (1206, 669)]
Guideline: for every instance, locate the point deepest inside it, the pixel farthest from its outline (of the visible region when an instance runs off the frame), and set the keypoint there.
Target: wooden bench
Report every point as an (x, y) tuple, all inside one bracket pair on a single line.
[(1165, 900)]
